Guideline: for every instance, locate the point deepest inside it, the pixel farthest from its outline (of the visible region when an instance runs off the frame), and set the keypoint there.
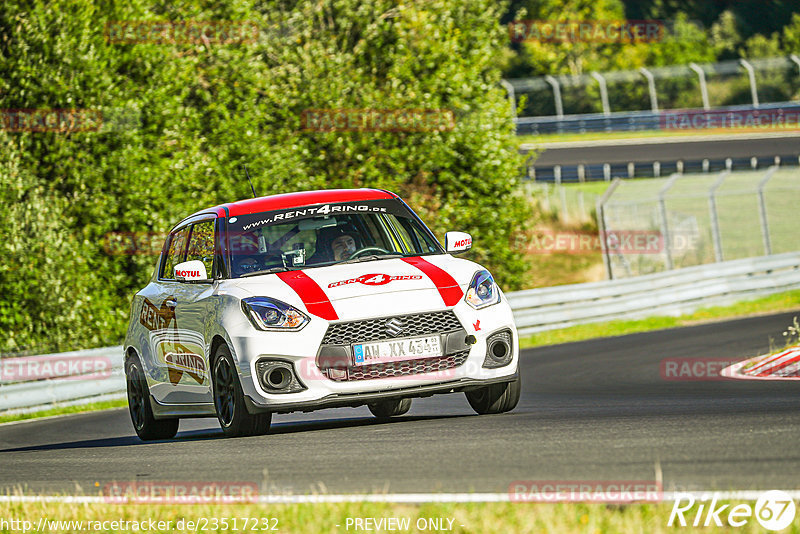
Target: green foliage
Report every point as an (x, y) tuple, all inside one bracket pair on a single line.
[(203, 110)]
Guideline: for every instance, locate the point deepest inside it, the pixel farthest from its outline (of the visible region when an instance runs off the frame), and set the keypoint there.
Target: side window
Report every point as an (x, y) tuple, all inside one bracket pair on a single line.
[(175, 253), (201, 244)]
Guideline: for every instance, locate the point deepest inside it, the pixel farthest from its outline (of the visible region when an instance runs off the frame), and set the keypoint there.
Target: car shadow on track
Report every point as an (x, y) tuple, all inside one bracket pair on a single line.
[(289, 427)]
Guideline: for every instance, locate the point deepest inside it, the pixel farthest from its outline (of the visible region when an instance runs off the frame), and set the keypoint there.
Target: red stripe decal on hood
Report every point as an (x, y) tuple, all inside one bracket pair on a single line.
[(448, 287), (314, 298)]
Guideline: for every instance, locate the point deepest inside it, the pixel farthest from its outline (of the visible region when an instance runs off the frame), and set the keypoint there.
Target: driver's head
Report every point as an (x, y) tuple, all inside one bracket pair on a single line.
[(343, 247), (340, 241)]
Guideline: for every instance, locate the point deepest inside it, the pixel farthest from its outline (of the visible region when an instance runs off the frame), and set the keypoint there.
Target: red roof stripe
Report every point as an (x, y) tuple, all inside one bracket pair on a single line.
[(314, 298), (448, 287), (304, 198)]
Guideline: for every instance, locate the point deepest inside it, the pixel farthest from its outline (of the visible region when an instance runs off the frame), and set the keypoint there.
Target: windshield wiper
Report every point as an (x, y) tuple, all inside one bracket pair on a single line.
[(372, 257), (267, 271)]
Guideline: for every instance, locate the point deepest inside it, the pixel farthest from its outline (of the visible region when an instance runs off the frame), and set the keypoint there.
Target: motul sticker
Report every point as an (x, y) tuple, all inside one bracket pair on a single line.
[(375, 279)]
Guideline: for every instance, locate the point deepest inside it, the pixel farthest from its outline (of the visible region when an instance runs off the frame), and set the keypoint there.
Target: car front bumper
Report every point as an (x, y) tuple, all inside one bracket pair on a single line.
[(300, 349)]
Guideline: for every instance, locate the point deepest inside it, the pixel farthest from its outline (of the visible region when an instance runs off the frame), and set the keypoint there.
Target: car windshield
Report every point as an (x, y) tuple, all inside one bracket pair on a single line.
[(324, 235)]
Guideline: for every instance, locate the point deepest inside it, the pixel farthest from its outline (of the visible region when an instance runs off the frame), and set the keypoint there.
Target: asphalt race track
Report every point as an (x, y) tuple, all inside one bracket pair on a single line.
[(595, 410), (670, 151)]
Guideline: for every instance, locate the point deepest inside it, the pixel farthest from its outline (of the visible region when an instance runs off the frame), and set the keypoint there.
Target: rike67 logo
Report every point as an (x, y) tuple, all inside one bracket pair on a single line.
[(375, 279)]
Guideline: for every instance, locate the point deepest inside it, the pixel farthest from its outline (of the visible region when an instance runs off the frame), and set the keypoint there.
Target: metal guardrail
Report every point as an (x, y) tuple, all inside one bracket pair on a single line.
[(631, 121), (562, 174), (535, 310), (69, 387), (666, 293)]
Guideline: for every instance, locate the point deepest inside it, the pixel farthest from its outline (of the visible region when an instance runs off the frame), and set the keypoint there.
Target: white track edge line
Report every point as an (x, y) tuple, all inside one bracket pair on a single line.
[(401, 498)]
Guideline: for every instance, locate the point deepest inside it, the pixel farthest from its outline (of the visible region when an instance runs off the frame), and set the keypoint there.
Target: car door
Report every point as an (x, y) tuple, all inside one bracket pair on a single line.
[(177, 344), (190, 359)]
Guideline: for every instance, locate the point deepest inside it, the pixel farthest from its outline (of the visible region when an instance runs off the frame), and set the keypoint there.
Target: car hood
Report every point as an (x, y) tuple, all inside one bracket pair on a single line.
[(380, 287)]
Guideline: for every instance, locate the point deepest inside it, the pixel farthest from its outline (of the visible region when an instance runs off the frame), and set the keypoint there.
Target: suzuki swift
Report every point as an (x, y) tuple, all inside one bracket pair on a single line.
[(311, 300)]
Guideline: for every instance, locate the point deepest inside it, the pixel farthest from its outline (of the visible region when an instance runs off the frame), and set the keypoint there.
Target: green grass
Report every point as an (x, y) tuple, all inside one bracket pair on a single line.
[(641, 134), (90, 407), (484, 518), (779, 302)]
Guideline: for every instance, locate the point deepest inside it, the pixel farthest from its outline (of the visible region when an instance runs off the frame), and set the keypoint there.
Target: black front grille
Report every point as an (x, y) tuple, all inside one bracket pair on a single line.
[(404, 368), (420, 324)]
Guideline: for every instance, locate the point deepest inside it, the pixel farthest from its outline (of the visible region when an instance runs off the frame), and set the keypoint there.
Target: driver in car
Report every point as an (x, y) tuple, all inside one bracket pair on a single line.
[(337, 243)]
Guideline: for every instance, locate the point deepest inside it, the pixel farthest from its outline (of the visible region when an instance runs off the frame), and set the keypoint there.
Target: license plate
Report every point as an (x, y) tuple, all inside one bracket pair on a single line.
[(397, 350)]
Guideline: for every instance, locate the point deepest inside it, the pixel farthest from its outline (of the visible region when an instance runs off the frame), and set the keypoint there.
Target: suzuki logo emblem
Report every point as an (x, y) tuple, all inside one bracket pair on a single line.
[(395, 326)]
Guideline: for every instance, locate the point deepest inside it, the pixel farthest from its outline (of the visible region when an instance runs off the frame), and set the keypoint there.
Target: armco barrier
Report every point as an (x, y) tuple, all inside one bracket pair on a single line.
[(666, 293), (535, 310), (39, 394)]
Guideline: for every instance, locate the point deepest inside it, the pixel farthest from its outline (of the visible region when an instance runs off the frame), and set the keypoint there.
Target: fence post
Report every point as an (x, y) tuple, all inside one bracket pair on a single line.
[(701, 76), (603, 92), (762, 209), (601, 224), (651, 87), (512, 100), (752, 75), (796, 59), (712, 208), (511, 96), (662, 205), (556, 95)]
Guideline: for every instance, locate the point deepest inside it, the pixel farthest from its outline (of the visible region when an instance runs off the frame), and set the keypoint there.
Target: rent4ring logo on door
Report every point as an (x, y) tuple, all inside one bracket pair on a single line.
[(375, 279), (181, 352)]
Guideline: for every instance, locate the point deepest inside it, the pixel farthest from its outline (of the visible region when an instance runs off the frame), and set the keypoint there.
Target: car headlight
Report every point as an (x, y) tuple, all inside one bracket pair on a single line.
[(271, 314), (482, 291)]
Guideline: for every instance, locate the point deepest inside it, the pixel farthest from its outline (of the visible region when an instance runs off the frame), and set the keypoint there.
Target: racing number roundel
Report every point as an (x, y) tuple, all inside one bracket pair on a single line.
[(374, 279)]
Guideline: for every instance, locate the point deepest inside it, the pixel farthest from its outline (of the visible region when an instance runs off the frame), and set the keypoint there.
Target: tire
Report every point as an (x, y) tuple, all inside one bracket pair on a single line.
[(390, 408), (147, 427), (495, 398), (232, 412)]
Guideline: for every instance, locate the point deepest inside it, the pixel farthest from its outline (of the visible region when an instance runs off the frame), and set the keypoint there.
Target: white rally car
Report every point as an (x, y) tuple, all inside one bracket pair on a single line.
[(313, 300)]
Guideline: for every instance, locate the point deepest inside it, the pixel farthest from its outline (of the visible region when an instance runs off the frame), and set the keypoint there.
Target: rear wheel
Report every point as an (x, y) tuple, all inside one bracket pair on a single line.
[(146, 425), (390, 408), (495, 398), (232, 413)]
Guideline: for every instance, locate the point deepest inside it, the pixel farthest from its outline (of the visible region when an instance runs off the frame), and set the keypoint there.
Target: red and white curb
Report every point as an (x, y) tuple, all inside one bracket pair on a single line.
[(784, 365)]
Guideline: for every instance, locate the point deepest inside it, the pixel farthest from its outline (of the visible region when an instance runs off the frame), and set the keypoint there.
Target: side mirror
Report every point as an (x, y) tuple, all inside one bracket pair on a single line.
[(456, 242), (191, 271)]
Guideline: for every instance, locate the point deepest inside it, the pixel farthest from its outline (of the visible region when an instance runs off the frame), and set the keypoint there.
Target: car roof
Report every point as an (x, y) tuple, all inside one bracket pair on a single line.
[(295, 200)]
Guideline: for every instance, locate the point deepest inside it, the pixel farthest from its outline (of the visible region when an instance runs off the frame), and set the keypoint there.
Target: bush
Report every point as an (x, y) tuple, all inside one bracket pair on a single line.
[(201, 111)]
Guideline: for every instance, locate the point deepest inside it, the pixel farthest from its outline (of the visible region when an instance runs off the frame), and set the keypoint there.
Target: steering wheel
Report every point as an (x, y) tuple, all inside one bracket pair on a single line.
[(363, 251)]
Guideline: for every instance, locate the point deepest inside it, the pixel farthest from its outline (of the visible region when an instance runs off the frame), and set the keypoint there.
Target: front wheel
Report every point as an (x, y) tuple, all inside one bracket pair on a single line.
[(390, 408), (232, 413), (146, 425), (495, 398)]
